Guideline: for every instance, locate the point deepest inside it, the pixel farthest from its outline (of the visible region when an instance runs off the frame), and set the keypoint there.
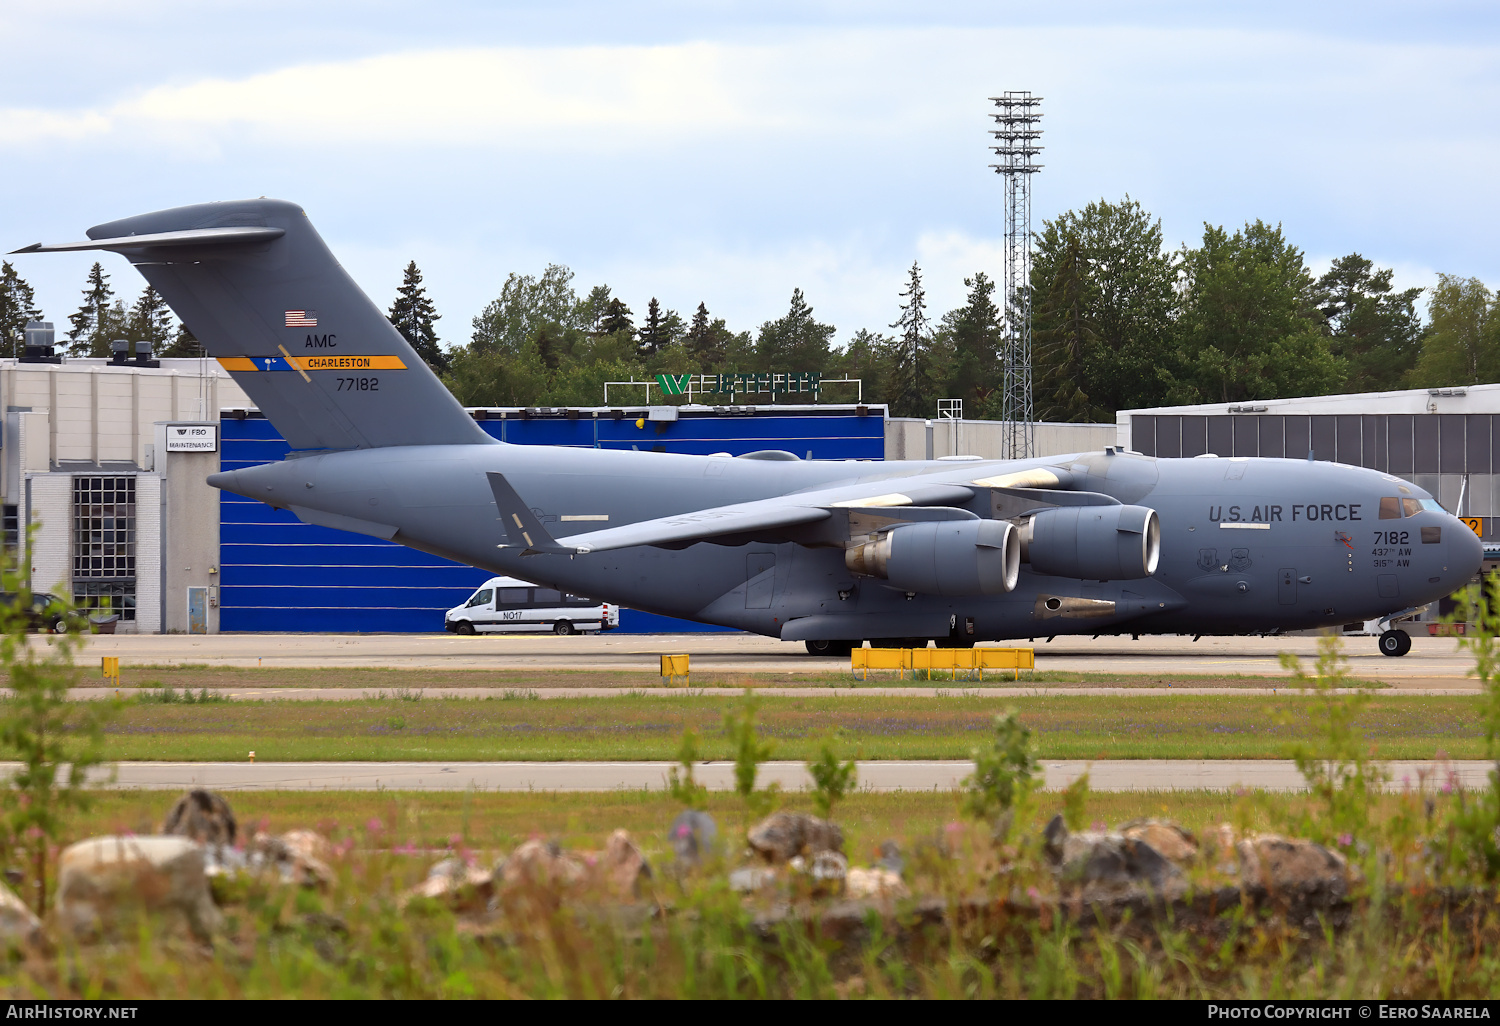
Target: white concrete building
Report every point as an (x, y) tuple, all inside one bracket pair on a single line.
[(86, 462), (1444, 439)]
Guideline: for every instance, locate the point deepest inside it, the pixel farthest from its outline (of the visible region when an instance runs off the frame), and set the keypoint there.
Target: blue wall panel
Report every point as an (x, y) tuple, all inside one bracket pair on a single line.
[(279, 574)]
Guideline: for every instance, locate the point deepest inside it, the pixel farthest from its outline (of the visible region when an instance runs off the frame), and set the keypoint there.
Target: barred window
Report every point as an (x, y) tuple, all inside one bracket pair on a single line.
[(105, 598), (103, 528)]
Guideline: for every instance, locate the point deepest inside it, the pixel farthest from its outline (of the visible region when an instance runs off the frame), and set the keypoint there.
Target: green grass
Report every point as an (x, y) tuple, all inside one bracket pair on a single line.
[(650, 726), (690, 937)]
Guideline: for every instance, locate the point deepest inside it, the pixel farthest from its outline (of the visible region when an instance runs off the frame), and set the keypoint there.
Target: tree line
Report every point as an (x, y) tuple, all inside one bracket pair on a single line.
[(1120, 321)]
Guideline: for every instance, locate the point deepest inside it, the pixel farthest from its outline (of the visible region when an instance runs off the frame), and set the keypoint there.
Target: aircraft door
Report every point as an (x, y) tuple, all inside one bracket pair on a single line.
[(760, 579), (1286, 586)]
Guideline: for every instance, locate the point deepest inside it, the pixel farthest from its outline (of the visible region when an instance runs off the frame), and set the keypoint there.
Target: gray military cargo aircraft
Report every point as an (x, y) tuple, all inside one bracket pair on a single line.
[(823, 552)]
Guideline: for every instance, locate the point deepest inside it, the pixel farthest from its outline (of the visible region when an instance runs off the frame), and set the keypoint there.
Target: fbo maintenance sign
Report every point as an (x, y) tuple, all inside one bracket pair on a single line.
[(192, 438)]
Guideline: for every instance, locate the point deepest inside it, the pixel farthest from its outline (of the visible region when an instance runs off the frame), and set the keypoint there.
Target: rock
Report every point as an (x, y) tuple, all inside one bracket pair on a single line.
[(784, 835), (891, 858), (1224, 842), (464, 887), (875, 882), (826, 872), (1100, 863), (1293, 868), (19, 926), (751, 878), (203, 816), (623, 869), (291, 856), (105, 883), (1169, 839), (539, 864), (694, 837)]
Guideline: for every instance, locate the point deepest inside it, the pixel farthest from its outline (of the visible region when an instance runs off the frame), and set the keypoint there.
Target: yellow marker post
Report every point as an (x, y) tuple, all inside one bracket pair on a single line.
[(674, 666), (110, 667)]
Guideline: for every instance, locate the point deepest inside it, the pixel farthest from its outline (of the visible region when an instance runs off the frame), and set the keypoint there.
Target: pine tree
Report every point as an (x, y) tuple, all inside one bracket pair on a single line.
[(17, 306), (413, 315), (183, 345), (617, 318), (796, 341), (908, 384), (652, 337), (83, 339), (150, 321), (976, 339)]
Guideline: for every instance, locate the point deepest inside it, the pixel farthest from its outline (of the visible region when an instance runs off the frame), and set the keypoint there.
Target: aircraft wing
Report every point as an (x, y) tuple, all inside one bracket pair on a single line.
[(784, 511)]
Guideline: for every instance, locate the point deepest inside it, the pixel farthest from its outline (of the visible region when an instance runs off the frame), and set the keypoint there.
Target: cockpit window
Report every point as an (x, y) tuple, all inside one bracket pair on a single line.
[(1433, 504), (1411, 507), (1390, 508)]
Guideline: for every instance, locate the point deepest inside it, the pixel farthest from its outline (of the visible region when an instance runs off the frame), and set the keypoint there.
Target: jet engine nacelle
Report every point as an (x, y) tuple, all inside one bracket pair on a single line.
[(1097, 543), (946, 557)]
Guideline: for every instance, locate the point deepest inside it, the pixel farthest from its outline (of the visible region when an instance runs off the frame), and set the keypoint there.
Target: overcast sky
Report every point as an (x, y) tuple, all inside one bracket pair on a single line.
[(728, 152)]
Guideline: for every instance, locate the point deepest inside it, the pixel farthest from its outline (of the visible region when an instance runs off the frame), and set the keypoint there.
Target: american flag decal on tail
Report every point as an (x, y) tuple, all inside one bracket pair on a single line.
[(302, 318)]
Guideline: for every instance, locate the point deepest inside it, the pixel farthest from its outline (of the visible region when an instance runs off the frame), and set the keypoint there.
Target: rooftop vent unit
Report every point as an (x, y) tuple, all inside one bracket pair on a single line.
[(40, 342), (129, 353)]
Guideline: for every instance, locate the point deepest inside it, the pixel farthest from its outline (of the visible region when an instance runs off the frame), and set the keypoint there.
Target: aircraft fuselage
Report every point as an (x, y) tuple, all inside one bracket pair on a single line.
[(1247, 545)]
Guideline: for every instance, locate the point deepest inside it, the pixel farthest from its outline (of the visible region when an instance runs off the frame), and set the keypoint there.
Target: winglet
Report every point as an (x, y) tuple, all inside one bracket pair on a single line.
[(522, 527)]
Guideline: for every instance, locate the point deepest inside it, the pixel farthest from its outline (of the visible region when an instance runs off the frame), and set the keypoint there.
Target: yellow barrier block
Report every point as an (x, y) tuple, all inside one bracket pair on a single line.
[(1015, 659), (674, 666), (863, 660), (109, 667), (867, 659)]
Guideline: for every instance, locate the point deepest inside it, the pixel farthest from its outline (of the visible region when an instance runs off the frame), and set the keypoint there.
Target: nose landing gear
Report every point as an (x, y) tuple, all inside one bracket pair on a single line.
[(1395, 643)]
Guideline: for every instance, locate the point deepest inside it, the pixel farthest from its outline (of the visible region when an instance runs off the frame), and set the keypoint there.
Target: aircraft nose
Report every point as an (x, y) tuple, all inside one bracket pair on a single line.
[(1464, 551)]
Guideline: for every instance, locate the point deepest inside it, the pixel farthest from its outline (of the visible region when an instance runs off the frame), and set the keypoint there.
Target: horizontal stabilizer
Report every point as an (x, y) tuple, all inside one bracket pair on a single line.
[(193, 237), (339, 522)]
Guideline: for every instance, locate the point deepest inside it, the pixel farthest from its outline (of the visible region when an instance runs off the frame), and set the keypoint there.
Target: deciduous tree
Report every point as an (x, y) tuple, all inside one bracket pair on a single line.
[(1462, 346), (1251, 328), (1104, 305)]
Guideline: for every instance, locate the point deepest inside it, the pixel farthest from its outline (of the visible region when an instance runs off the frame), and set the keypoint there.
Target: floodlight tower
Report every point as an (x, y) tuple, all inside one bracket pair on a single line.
[(1017, 145)]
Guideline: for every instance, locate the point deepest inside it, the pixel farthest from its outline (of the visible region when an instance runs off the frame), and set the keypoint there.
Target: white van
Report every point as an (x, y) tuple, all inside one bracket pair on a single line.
[(506, 604)]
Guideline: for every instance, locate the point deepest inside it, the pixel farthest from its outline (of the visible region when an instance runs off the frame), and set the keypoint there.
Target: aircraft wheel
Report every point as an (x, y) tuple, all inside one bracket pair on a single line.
[(1395, 643), (829, 648), (464, 627), (563, 628)]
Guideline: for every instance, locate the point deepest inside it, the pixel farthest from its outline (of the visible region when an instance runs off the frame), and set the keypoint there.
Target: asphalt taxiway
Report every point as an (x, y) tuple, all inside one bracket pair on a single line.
[(913, 775), (1434, 663)]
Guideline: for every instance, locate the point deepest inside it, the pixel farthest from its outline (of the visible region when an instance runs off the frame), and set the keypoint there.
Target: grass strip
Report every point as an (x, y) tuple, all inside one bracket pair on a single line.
[(1227, 726)]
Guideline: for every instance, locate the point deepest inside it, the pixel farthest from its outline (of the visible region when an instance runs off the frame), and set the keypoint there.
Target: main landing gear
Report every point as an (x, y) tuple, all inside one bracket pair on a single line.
[(829, 648), (1395, 643)]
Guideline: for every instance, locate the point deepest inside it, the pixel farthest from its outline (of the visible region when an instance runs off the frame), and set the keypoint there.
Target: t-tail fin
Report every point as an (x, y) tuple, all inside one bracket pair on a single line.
[(255, 283)]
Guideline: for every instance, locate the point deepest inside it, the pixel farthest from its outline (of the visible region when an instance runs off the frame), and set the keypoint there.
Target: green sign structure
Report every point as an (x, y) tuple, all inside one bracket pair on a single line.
[(785, 383)]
